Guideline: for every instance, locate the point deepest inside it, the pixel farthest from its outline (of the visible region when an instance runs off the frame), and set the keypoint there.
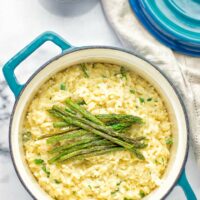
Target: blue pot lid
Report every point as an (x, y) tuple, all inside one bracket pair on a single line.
[(176, 23)]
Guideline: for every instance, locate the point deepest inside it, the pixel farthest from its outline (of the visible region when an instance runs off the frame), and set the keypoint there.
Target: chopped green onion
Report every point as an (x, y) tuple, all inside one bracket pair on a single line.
[(62, 86), (156, 161), (26, 136), (142, 194), (119, 183), (46, 171), (38, 161), (123, 72), (114, 192), (57, 181), (141, 100), (169, 141), (84, 69), (132, 91), (149, 99)]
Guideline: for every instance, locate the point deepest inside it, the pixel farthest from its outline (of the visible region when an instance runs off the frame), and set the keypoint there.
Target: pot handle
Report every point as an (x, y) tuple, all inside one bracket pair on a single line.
[(9, 67), (186, 187)]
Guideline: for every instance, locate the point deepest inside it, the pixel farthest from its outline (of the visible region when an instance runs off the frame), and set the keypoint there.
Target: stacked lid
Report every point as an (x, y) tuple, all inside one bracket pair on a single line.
[(176, 23)]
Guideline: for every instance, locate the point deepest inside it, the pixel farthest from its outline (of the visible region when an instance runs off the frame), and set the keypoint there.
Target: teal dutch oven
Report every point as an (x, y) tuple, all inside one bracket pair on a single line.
[(175, 172)]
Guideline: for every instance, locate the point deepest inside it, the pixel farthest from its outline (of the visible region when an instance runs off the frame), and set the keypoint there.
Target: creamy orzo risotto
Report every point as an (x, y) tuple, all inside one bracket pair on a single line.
[(119, 175)]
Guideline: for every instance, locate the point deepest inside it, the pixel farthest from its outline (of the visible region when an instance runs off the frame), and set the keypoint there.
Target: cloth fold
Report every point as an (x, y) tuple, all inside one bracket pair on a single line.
[(182, 70)]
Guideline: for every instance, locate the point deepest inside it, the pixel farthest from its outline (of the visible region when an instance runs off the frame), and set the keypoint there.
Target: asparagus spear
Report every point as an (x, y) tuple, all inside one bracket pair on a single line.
[(83, 112), (67, 146), (77, 148), (81, 102), (85, 140), (118, 126), (60, 133), (97, 132), (70, 135), (114, 118), (83, 151), (60, 124), (116, 121), (103, 128), (98, 153)]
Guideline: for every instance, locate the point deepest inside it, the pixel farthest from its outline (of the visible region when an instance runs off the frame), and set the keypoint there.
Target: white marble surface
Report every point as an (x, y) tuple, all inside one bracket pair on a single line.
[(81, 23)]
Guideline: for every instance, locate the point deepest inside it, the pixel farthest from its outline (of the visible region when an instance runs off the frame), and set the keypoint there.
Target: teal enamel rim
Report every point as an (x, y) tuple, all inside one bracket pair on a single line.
[(67, 49)]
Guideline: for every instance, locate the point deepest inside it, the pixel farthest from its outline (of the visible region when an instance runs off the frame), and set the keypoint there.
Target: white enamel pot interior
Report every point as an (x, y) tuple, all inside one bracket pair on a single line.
[(115, 56)]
